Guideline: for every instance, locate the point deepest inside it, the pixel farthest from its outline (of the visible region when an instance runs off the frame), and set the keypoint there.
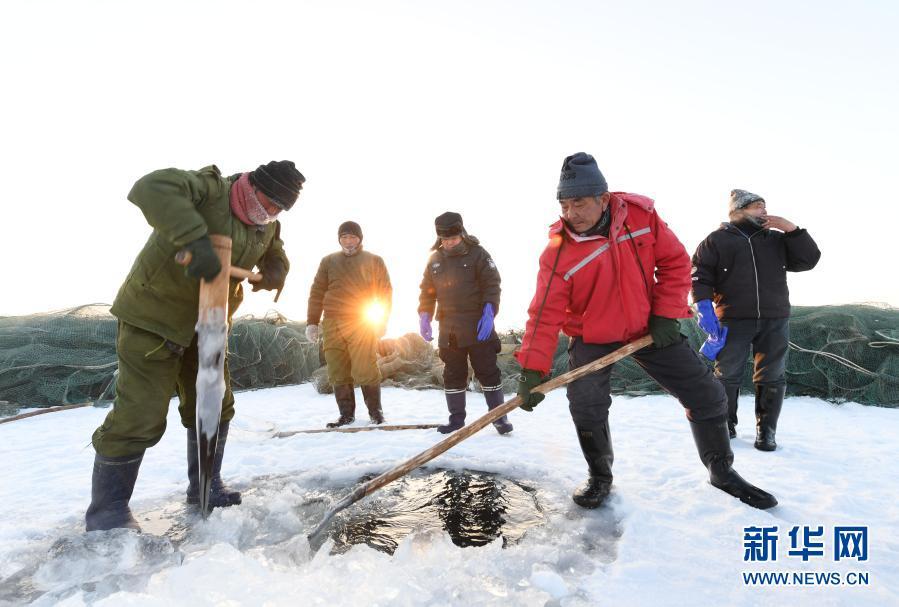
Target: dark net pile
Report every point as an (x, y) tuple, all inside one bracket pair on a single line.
[(838, 353)]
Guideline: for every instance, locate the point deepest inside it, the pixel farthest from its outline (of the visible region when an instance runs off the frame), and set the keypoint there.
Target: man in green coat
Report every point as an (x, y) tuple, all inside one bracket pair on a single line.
[(157, 308), (353, 290)]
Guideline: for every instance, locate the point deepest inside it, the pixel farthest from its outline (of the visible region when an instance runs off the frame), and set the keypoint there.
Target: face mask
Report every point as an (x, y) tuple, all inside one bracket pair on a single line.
[(246, 205), (348, 250), (756, 221), (257, 213)]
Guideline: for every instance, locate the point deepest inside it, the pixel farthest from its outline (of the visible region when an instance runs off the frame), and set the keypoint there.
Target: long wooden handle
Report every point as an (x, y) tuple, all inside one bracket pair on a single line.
[(353, 429), (214, 293), (241, 274), (184, 256), (43, 411), (466, 431), (491, 416)]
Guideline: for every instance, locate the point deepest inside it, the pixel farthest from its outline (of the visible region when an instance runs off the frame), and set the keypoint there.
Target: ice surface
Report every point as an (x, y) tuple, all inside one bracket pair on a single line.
[(665, 538)]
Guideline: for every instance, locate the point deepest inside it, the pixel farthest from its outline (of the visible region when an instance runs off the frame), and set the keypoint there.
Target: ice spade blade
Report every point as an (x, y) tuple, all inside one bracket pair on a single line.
[(212, 341)]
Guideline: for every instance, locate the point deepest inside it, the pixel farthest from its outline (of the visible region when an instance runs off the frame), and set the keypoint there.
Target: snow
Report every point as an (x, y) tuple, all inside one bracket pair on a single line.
[(665, 538)]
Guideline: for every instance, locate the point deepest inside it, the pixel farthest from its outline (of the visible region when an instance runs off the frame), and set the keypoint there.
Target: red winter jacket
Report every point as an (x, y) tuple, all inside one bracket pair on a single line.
[(597, 289)]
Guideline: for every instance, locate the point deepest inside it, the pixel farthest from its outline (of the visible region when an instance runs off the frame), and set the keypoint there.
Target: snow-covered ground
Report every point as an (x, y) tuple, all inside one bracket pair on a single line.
[(665, 538)]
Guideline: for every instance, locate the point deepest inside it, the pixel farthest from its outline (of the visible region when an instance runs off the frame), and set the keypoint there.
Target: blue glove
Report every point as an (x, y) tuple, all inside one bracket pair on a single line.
[(485, 325), (424, 326), (708, 322), (714, 344)]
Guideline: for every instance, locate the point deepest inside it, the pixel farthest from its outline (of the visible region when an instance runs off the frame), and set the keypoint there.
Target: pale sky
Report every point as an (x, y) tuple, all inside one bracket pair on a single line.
[(398, 111)]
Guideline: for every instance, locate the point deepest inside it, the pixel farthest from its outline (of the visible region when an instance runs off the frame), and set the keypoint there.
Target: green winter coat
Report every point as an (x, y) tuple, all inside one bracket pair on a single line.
[(181, 206)]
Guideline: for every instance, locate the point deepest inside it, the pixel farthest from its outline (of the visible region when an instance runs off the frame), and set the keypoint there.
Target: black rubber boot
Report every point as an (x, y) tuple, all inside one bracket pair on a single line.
[(494, 399), (713, 445), (372, 396), (112, 484), (733, 393), (768, 403), (220, 495), (455, 402), (346, 404), (596, 444)]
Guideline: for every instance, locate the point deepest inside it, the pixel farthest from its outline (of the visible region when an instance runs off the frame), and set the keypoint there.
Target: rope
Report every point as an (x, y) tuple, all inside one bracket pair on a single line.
[(836, 358), (890, 341)]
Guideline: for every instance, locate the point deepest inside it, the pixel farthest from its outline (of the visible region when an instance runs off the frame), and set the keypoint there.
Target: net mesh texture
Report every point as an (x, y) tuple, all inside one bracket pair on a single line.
[(837, 353)]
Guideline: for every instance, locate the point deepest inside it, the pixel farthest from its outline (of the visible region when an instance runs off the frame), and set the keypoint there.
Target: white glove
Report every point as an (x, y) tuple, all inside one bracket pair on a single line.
[(313, 332)]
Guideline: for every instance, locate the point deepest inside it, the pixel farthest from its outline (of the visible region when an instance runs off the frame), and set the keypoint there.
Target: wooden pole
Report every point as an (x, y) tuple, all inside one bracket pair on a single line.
[(357, 429), (183, 258), (241, 274), (42, 411), (466, 431)]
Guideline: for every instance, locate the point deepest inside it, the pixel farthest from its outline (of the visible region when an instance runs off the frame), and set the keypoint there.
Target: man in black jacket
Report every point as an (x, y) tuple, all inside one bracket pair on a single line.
[(742, 267), (462, 282)]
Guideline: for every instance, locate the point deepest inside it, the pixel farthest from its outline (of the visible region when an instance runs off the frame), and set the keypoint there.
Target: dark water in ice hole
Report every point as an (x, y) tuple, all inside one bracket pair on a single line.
[(473, 508)]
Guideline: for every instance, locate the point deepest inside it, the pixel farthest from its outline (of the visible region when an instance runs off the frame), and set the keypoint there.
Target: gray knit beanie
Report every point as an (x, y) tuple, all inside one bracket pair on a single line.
[(741, 198), (581, 177)]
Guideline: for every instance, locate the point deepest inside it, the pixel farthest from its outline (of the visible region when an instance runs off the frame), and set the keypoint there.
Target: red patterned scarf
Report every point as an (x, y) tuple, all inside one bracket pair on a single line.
[(244, 203)]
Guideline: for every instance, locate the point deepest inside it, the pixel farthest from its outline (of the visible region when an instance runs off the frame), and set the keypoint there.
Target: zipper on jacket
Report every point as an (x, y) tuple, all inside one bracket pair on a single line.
[(755, 271)]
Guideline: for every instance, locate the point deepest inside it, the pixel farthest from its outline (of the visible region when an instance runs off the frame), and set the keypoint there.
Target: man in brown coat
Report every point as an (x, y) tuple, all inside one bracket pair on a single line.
[(352, 289)]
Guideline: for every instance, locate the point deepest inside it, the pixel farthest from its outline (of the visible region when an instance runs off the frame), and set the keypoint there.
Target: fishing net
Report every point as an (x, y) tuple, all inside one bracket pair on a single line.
[(404, 362), (69, 356), (839, 353)]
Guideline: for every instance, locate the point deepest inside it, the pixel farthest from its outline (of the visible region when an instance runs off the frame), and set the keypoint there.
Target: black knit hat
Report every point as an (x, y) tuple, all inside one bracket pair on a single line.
[(449, 224), (349, 227), (741, 198), (280, 181), (581, 177)]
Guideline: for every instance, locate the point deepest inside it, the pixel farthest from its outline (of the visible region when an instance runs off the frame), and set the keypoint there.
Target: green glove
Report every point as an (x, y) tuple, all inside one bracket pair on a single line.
[(204, 263), (665, 331), (527, 381), (274, 274)]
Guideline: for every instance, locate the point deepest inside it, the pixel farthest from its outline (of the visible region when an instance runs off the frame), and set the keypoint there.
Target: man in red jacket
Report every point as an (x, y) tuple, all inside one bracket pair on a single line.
[(612, 272)]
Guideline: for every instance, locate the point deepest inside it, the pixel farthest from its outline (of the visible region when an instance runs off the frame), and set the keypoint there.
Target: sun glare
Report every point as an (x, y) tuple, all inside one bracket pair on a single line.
[(375, 313)]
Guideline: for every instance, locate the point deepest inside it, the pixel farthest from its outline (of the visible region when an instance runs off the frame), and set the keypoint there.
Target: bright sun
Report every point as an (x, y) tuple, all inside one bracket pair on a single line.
[(375, 313)]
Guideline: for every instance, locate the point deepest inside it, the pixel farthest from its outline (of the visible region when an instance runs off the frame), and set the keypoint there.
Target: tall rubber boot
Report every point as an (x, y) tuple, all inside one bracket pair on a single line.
[(768, 402), (494, 399), (372, 396), (596, 444), (733, 393), (220, 495), (455, 402), (713, 446), (346, 404), (112, 484)]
